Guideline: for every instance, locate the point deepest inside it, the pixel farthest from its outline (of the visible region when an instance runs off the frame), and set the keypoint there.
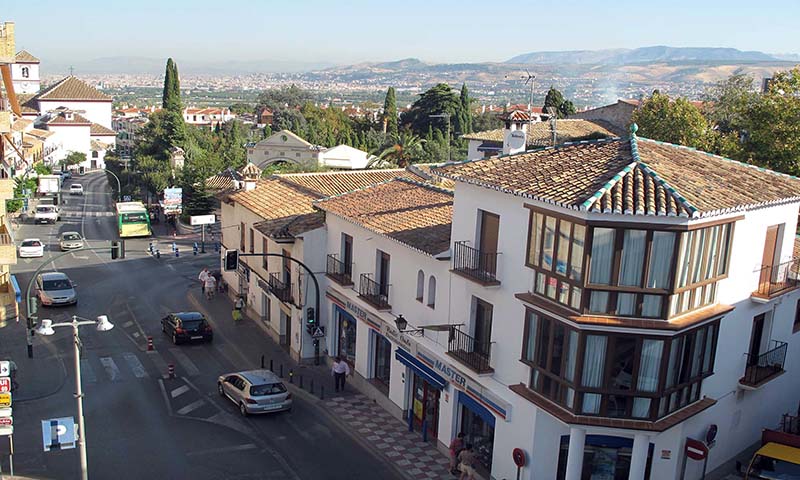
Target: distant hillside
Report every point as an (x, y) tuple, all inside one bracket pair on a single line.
[(660, 54)]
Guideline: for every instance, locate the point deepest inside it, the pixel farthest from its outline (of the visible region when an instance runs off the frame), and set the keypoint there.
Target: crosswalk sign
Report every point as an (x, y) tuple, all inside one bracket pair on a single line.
[(318, 333)]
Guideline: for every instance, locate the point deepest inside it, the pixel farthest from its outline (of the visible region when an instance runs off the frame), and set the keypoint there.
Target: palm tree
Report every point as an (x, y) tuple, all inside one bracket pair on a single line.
[(405, 148)]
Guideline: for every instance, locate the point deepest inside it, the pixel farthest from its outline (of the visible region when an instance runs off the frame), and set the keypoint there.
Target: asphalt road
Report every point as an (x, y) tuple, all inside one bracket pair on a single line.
[(140, 424)]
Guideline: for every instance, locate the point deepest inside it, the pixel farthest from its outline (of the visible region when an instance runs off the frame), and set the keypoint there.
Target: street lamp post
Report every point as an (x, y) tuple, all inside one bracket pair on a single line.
[(102, 325), (447, 116), (119, 185)]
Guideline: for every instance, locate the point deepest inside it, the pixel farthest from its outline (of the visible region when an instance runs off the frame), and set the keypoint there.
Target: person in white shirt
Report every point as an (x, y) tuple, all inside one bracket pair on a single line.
[(340, 371), (203, 277), (210, 286)]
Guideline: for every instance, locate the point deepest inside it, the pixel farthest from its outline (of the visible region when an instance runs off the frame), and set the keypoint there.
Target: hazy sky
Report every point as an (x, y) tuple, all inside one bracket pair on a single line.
[(349, 31)]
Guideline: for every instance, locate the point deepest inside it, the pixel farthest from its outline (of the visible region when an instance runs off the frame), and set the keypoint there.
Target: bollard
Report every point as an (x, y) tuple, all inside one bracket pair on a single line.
[(171, 370), (425, 430), (151, 248), (410, 420), (322, 392), (194, 249), (149, 344), (311, 389), (270, 366), (291, 376), (301, 382), (262, 361), (216, 247), (177, 252), (281, 374), (174, 246), (158, 253)]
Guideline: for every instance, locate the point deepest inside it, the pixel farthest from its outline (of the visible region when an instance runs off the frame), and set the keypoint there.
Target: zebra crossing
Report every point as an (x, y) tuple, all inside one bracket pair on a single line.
[(81, 214), (124, 366)]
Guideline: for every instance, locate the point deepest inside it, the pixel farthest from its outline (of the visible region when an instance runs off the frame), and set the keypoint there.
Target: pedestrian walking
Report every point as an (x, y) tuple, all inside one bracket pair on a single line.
[(340, 371), (203, 277), (466, 463), (456, 445), (210, 286)]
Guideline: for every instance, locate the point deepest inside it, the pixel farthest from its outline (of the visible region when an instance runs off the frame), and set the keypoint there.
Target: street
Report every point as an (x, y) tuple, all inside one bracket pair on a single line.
[(139, 422)]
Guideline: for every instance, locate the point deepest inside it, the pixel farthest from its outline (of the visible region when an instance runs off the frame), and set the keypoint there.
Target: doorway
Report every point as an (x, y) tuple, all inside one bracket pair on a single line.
[(286, 329), (425, 404), (482, 331)]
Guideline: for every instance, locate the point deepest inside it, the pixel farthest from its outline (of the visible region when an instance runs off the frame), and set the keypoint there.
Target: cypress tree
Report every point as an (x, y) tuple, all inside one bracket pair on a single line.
[(390, 112), (171, 97), (466, 111)]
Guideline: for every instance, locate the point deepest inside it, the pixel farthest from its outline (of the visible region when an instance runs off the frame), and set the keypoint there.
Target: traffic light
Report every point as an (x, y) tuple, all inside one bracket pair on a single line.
[(116, 250), (231, 260), (311, 320)]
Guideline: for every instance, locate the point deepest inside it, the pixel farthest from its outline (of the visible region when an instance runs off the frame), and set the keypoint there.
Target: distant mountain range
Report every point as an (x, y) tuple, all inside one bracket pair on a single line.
[(155, 66), (657, 54)]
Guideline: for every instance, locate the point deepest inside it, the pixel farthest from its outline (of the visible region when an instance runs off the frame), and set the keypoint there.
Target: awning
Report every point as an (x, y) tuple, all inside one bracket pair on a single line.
[(420, 368), (476, 408), (17, 291)]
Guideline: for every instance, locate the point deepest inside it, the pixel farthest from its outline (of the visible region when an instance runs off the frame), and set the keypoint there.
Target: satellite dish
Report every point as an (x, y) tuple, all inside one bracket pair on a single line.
[(517, 139)]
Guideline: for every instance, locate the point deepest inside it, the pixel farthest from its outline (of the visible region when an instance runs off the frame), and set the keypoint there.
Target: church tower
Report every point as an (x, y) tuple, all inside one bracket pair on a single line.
[(25, 73)]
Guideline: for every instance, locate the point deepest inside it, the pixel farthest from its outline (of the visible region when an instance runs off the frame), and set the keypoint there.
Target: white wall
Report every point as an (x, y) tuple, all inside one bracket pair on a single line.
[(73, 138), (472, 150), (97, 112)]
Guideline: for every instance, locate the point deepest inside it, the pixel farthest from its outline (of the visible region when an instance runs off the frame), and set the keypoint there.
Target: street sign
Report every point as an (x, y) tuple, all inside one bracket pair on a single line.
[(126, 198), (6, 421), (202, 219), (5, 384), (5, 368), (5, 412), (318, 333), (58, 433), (5, 399), (695, 449), (6, 431)]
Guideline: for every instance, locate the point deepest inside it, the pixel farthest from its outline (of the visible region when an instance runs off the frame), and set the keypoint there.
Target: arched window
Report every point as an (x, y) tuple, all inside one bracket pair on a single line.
[(25, 72), (432, 292), (420, 285)]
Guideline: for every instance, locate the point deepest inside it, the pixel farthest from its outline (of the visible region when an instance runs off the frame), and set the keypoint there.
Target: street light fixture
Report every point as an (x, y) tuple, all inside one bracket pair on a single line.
[(102, 324)]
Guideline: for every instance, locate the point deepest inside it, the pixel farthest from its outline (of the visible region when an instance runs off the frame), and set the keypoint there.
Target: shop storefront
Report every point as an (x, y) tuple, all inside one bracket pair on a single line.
[(604, 458), (426, 388), (477, 423), (381, 360), (345, 334)]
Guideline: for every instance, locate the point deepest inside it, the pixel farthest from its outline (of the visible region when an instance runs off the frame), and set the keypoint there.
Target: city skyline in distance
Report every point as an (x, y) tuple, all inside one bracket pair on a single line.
[(314, 34)]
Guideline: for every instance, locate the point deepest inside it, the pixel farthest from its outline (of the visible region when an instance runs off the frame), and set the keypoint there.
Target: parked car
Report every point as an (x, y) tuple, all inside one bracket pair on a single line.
[(65, 174), (255, 391), (76, 189), (55, 288), (46, 214), (187, 326), (70, 241), (31, 247)]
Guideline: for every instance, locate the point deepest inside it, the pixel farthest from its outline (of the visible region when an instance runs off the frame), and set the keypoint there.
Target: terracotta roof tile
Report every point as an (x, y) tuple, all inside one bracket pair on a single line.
[(223, 180), (72, 88), (60, 118), (337, 183), (290, 227), (23, 56), (412, 213), (273, 198), (540, 134), (630, 176), (99, 130)]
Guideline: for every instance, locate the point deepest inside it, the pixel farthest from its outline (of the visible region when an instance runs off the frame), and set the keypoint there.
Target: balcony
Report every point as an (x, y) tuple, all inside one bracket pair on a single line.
[(775, 280), (764, 367), (475, 264), (338, 271), (373, 292), (8, 251), (282, 290), (472, 353)]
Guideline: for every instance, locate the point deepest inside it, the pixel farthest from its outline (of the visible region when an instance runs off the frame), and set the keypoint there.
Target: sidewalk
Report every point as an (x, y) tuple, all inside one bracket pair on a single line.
[(37, 377), (363, 419)]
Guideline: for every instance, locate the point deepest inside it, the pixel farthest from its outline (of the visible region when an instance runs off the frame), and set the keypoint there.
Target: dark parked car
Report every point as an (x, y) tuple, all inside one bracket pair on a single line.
[(187, 327)]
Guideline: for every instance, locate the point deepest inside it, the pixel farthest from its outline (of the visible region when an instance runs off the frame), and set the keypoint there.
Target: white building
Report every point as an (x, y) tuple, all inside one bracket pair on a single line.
[(285, 146), (25, 73), (344, 157), (75, 94), (207, 117)]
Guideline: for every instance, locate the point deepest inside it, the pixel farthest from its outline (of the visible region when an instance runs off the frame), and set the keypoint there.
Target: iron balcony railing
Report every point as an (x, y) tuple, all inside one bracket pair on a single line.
[(373, 292), (339, 271), (775, 279), (282, 290), (765, 365), (473, 353), (475, 263)]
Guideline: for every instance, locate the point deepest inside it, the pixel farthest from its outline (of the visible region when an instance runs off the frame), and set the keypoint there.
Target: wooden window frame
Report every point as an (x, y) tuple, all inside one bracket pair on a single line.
[(242, 239)]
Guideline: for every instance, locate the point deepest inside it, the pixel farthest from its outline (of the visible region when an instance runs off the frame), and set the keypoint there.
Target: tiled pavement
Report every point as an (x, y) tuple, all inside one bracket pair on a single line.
[(390, 437)]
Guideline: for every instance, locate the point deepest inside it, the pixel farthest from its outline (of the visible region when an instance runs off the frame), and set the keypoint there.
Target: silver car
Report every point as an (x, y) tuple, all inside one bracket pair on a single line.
[(70, 241), (255, 391), (55, 288)]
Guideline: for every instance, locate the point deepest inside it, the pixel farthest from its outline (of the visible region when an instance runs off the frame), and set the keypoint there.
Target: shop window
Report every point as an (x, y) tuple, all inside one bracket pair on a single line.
[(604, 457), (346, 335), (420, 285), (382, 362), (432, 292)]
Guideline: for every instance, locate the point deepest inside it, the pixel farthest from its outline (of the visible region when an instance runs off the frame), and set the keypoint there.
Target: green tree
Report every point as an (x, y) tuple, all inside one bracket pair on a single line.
[(73, 158), (674, 121), (171, 96), (42, 169), (463, 122), (486, 121), (406, 149), (438, 100), (197, 199), (240, 108), (555, 98), (729, 102), (289, 119), (390, 112), (283, 98)]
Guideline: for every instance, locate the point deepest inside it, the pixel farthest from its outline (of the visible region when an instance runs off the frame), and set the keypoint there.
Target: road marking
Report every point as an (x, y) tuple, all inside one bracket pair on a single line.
[(189, 366), (233, 448), (135, 334), (135, 364), (111, 368), (164, 394), (179, 391), (128, 324), (191, 407), (161, 365), (87, 372)]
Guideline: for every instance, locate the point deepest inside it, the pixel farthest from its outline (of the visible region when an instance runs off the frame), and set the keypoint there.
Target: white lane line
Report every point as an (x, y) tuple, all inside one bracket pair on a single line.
[(191, 407), (135, 334), (87, 372), (233, 448), (189, 367), (135, 364), (161, 365), (111, 368), (179, 391), (128, 324)]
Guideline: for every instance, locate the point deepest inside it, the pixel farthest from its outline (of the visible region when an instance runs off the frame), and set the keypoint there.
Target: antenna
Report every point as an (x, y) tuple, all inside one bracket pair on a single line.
[(529, 78), (71, 70)]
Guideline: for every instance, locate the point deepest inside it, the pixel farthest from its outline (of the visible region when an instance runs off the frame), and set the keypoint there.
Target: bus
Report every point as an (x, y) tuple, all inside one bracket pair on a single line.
[(133, 220)]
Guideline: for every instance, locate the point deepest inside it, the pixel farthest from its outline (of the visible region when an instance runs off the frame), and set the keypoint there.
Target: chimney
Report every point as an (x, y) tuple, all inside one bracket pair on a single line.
[(515, 133)]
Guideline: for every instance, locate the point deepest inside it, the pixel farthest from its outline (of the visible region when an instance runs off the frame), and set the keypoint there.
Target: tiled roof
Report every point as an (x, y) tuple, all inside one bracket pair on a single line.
[(633, 176), (412, 213), (250, 171), (273, 198), (72, 88), (290, 227), (23, 56), (516, 116), (21, 124), (41, 133), (99, 130), (337, 183), (61, 119), (223, 180), (424, 172), (97, 146), (540, 134)]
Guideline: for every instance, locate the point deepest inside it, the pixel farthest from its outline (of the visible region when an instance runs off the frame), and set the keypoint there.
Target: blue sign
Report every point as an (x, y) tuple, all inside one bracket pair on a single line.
[(58, 433)]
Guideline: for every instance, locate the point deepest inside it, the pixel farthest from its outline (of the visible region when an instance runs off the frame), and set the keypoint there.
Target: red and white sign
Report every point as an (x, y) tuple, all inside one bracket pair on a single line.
[(6, 421), (5, 384), (695, 449)]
